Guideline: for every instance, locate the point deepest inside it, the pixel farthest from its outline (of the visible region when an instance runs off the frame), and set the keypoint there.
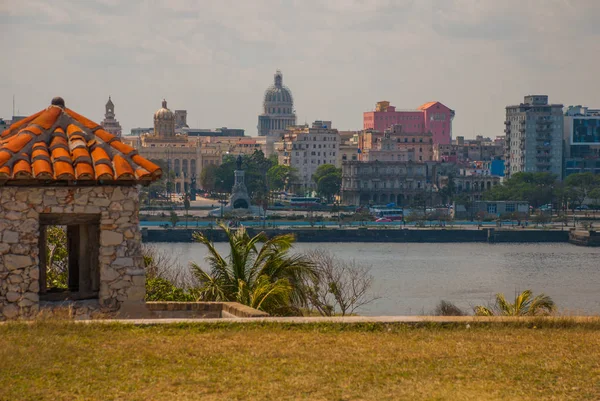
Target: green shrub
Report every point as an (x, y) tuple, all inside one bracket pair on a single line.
[(160, 289)]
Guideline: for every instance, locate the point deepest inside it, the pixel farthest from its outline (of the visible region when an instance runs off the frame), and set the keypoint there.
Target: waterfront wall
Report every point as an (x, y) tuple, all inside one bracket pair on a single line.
[(372, 235)]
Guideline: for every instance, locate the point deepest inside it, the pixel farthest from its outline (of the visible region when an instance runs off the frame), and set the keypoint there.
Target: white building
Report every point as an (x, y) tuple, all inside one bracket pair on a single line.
[(278, 113), (306, 148), (534, 137)]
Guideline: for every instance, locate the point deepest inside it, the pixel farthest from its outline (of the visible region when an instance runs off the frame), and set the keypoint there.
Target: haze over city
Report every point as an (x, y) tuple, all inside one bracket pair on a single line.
[(338, 57)]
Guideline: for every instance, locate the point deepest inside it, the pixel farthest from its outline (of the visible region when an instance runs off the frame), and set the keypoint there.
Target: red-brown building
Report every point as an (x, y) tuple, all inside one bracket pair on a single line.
[(431, 117)]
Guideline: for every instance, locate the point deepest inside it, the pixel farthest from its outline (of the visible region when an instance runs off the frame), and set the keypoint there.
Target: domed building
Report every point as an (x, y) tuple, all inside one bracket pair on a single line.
[(278, 112), (164, 121), (178, 153)]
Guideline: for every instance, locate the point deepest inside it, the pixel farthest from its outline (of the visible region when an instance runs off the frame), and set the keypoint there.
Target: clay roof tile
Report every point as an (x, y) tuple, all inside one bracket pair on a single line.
[(21, 123), (59, 144)]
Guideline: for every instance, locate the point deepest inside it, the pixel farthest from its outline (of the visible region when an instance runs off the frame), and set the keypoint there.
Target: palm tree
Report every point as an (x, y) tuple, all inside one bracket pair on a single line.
[(525, 305), (263, 277)]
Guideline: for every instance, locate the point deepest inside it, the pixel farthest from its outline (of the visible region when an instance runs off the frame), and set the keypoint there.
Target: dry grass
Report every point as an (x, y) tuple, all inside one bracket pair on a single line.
[(67, 361)]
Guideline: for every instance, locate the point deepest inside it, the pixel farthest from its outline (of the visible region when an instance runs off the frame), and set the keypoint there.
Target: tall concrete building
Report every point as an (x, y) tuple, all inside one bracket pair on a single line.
[(534, 137), (306, 148), (582, 140), (110, 123), (278, 112)]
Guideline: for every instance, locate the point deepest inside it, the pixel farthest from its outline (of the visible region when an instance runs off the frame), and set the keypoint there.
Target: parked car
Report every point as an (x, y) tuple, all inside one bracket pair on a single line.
[(383, 220), (582, 207)]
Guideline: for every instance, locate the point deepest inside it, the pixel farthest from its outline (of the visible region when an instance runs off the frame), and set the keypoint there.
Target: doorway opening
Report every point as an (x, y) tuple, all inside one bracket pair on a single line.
[(69, 257)]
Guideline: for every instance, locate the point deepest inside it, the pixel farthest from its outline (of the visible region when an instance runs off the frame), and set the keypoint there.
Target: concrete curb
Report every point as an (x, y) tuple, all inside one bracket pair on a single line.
[(353, 319)]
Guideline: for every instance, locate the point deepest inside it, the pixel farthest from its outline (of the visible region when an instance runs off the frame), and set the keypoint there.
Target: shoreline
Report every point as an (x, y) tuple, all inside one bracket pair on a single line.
[(380, 235)]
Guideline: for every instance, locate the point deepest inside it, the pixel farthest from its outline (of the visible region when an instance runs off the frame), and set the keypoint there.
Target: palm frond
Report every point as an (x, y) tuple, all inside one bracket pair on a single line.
[(505, 307), (211, 288), (542, 305), (268, 295), (481, 310), (521, 304)]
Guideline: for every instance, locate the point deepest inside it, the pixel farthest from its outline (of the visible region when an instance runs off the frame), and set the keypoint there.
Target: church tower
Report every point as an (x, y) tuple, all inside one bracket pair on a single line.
[(110, 124)]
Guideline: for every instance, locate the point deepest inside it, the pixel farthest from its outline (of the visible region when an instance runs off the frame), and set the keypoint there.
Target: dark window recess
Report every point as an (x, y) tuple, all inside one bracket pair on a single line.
[(83, 248)]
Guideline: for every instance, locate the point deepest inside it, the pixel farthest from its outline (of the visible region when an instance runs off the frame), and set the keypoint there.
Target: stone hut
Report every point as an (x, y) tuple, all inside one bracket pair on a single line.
[(59, 168)]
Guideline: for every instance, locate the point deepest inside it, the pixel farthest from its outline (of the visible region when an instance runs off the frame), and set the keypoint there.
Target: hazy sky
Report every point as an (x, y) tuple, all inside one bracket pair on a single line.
[(339, 57)]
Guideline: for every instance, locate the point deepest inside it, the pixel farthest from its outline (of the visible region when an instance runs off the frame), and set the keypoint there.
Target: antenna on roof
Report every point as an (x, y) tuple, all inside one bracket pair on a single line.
[(13, 105)]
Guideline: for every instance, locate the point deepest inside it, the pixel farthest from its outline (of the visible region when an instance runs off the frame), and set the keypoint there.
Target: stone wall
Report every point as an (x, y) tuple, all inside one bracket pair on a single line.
[(122, 278)]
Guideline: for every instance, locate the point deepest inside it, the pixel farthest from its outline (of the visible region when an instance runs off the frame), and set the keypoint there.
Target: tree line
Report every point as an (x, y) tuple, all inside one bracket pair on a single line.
[(544, 188)]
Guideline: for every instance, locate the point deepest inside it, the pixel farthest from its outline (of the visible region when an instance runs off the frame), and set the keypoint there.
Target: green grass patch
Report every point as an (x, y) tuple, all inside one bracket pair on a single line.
[(530, 360)]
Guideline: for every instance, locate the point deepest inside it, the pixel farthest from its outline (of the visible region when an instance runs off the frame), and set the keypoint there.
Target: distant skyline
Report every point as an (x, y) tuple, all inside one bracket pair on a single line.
[(338, 57)]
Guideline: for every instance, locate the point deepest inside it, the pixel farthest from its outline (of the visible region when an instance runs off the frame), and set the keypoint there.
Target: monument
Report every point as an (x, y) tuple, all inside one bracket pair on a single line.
[(239, 201)]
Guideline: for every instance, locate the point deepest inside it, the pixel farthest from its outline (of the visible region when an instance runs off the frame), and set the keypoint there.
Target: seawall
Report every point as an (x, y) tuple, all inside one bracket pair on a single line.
[(487, 235)]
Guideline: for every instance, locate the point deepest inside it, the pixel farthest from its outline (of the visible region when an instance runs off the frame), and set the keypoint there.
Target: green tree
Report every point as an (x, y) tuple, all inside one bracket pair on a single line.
[(535, 188), (579, 186), (173, 218), (186, 206), (208, 177), (259, 272), (525, 304), (329, 180), (56, 257), (447, 192), (280, 177), (255, 166), (595, 196)]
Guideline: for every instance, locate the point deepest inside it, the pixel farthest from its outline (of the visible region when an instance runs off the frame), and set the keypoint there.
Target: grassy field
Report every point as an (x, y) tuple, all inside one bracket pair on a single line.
[(267, 361)]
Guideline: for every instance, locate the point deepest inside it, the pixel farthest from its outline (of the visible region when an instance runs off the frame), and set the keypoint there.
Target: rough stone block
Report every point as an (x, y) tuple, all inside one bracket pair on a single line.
[(110, 238), (135, 272), (10, 311), (12, 296), (14, 216), (14, 262), (109, 275), (33, 296), (4, 248), (34, 273), (10, 237), (123, 262)]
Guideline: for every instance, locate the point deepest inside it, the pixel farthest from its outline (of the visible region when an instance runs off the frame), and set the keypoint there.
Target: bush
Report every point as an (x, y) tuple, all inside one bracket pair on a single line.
[(446, 308), (160, 289)]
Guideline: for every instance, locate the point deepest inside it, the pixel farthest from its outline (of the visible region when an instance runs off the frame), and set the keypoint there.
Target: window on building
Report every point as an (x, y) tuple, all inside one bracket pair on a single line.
[(510, 207), (82, 237)]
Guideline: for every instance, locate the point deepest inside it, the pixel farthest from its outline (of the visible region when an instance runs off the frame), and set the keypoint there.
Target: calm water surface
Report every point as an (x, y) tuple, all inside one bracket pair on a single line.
[(413, 278)]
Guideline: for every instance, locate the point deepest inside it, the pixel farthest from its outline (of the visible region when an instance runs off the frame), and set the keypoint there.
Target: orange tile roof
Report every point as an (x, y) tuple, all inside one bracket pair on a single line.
[(58, 144), (426, 105)]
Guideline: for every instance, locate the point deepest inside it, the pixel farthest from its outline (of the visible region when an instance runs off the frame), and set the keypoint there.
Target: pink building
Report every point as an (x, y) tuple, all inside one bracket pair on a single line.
[(431, 117)]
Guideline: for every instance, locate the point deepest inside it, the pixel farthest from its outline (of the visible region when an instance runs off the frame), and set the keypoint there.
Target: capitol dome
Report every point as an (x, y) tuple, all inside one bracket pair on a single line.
[(164, 113), (278, 98)]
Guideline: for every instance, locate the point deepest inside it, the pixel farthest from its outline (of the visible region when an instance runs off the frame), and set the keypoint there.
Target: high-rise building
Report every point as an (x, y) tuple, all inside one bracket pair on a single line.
[(582, 140), (306, 148), (431, 117), (278, 112), (110, 124), (534, 137)]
